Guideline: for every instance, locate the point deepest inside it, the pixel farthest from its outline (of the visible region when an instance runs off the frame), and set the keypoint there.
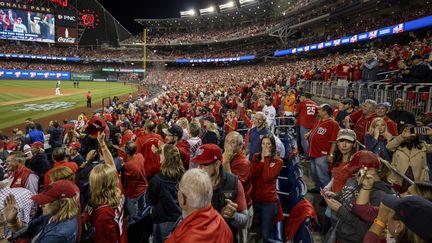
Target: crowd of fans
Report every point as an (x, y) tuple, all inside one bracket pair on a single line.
[(174, 147)]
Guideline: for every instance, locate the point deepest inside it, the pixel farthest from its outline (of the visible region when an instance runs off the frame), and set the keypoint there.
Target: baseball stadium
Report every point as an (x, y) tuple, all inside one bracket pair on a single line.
[(218, 121)]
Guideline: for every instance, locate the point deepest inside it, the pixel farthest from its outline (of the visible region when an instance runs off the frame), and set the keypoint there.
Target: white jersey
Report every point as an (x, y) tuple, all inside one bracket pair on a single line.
[(270, 114), (19, 28)]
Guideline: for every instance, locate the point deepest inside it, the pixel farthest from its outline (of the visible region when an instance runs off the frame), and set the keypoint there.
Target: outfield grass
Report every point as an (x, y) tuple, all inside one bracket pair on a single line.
[(10, 117)]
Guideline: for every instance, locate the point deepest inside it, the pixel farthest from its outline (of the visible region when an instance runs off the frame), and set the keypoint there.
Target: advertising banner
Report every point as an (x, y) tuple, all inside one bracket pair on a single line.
[(34, 74), (82, 76)]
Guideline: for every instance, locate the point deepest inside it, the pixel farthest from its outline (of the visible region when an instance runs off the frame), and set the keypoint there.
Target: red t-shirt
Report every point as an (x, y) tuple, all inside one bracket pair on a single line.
[(327, 74), (321, 137), (144, 144), (306, 111), (343, 70), (357, 73), (264, 179), (134, 177), (361, 124)]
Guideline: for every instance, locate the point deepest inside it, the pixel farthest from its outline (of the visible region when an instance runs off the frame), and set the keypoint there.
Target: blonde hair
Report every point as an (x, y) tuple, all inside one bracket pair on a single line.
[(183, 123), (374, 124), (62, 173), (213, 128), (104, 186), (68, 208), (172, 165)]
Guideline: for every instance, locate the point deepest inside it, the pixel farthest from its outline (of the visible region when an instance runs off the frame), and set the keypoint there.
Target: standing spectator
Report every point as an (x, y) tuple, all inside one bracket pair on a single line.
[(409, 157), (134, 182), (58, 156), (89, 99), (266, 167), (289, 103), (419, 71), (322, 140), (401, 116), (39, 162), (144, 145), (201, 222), (377, 138), (35, 134), (346, 109), (306, 111), (230, 122), (270, 113), (21, 176), (381, 111), (105, 209), (258, 130), (59, 220), (370, 68), (194, 141), (362, 119), (235, 161), (56, 134), (162, 193), (173, 136), (228, 194)]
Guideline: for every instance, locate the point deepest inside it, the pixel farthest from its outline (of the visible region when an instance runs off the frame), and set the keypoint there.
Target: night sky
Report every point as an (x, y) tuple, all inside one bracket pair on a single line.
[(127, 10)]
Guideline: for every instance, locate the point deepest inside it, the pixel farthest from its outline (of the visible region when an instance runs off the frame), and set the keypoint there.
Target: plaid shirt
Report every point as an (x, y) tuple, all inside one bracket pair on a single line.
[(26, 207)]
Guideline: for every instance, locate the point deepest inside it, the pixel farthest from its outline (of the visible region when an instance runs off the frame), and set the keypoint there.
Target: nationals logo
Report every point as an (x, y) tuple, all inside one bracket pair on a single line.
[(321, 130), (89, 19)]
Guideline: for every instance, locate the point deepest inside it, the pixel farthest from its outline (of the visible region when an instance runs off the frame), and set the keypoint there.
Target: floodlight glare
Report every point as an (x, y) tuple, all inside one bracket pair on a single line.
[(188, 13)]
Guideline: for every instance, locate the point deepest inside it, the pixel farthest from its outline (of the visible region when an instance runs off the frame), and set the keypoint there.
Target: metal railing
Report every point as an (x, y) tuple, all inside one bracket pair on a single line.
[(417, 96)]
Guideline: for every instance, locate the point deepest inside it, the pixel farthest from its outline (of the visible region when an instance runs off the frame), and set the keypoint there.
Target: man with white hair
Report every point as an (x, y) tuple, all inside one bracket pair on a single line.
[(201, 222)]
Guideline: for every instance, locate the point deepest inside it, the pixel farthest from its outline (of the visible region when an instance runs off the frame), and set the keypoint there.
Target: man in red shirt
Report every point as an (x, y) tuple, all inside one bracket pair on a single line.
[(174, 136), (201, 223), (342, 74), (362, 119), (58, 156), (356, 72), (228, 194), (134, 182), (235, 161), (144, 145), (322, 144), (305, 112)]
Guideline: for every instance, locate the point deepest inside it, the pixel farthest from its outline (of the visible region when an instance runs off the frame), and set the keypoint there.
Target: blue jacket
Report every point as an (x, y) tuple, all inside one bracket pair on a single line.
[(255, 140), (36, 135), (61, 232)]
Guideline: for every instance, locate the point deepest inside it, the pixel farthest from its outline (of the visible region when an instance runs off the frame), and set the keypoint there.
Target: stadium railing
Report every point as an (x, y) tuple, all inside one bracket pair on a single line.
[(417, 96)]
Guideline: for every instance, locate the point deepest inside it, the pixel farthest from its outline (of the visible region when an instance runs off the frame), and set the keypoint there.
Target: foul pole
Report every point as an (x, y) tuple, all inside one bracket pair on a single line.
[(145, 50)]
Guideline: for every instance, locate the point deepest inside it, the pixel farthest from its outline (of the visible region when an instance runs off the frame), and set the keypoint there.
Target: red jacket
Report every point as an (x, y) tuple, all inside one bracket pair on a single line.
[(109, 224), (20, 177), (298, 215), (144, 144), (134, 177), (241, 167), (264, 178), (203, 225)]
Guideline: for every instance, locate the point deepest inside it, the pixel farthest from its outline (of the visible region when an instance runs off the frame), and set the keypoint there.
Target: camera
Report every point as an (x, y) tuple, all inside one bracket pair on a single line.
[(418, 130)]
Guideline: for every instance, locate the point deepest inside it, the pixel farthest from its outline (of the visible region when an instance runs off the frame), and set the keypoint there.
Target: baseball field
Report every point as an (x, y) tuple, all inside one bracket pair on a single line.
[(20, 99)]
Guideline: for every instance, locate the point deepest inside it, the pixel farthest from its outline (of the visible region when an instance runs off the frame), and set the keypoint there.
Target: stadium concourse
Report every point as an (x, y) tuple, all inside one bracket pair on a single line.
[(243, 129)]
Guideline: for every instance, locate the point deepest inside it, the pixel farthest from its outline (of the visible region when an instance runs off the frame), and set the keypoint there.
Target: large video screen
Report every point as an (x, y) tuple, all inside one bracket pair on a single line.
[(27, 25)]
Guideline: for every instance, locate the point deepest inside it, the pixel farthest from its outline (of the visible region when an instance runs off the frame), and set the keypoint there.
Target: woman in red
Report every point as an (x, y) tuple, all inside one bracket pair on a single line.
[(266, 168)]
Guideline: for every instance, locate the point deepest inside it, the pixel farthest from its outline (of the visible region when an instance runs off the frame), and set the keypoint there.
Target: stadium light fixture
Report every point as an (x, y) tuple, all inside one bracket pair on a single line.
[(208, 10), (227, 6), (246, 2), (188, 13)]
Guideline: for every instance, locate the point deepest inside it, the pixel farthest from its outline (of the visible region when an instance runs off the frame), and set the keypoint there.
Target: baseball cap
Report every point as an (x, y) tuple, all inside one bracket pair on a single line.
[(414, 211), (75, 145), (207, 153), (346, 134), (11, 146), (26, 149), (95, 125), (38, 144), (364, 158), (174, 130), (386, 105), (57, 190)]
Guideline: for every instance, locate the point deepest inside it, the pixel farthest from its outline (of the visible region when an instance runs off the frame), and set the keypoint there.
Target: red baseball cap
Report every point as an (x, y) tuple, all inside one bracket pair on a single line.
[(95, 125), (38, 144), (364, 158), (75, 145), (57, 190), (11, 145), (207, 153)]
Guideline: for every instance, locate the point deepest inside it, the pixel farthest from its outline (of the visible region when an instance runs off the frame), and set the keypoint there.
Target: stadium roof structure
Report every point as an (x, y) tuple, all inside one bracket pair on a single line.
[(251, 11)]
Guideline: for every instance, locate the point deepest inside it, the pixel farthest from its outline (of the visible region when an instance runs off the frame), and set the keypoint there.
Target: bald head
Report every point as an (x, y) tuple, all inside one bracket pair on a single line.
[(197, 188)]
